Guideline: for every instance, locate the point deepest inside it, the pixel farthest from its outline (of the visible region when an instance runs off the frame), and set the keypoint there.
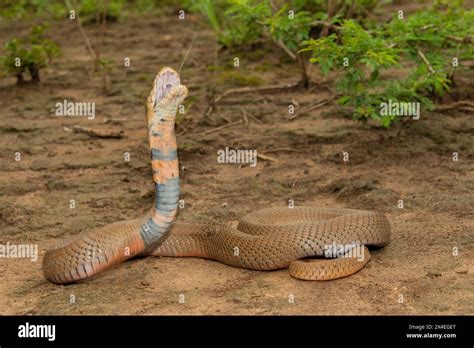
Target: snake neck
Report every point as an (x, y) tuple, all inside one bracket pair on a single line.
[(164, 162), (165, 166)]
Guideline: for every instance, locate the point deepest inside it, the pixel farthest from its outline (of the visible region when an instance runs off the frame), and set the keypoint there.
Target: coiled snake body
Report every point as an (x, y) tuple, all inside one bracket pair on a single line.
[(267, 239)]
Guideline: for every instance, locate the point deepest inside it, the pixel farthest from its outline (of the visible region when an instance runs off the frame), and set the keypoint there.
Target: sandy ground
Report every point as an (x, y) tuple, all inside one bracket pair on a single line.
[(426, 269)]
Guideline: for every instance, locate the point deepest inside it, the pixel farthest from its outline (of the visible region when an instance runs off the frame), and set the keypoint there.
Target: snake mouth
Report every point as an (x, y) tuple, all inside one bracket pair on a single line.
[(166, 80)]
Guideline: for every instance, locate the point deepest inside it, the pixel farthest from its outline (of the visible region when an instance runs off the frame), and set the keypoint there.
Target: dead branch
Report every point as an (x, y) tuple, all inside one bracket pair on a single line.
[(264, 89), (464, 105), (115, 120), (224, 118), (274, 6), (467, 39), (266, 158), (283, 149), (83, 33), (330, 25), (316, 105), (330, 13), (103, 26), (188, 50), (222, 127), (246, 119), (255, 119), (96, 133), (280, 44)]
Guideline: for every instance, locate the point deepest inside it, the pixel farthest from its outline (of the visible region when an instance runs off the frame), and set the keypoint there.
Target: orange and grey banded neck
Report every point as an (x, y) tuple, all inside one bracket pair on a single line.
[(95, 251), (161, 107)]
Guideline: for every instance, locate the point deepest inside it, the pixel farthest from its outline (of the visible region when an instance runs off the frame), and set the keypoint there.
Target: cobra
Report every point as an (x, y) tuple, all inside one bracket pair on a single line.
[(268, 239)]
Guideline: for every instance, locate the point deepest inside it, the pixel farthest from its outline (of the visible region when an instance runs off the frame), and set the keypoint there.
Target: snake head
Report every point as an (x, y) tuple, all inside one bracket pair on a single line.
[(165, 97)]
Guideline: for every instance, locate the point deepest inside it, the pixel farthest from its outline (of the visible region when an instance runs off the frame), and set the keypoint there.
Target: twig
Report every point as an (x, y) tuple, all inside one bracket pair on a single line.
[(256, 119), (295, 57), (266, 158), (189, 50), (427, 63), (330, 14), (460, 108), (246, 119), (280, 44), (352, 9), (428, 26), (213, 80), (282, 149), (98, 133), (103, 26), (462, 104), (274, 6), (224, 118), (115, 120), (263, 89), (222, 127), (305, 81), (312, 107), (83, 32), (467, 39), (326, 24), (367, 12)]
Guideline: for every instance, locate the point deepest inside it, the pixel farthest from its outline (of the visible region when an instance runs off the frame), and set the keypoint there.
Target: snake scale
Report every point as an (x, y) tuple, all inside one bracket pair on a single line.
[(268, 239)]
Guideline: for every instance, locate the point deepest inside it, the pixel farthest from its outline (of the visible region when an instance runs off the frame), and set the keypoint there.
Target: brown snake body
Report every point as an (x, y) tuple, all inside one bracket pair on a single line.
[(267, 239)]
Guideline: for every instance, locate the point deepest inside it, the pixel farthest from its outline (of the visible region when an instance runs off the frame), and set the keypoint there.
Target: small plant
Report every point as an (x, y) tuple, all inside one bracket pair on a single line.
[(244, 19), (30, 54), (104, 68), (236, 22), (18, 9), (423, 44), (244, 22), (288, 29), (343, 36), (96, 11), (361, 57)]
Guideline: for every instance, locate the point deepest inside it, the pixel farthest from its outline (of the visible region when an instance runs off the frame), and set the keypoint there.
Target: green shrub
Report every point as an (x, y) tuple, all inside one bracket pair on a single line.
[(93, 10), (422, 44), (291, 28), (341, 36), (361, 57), (236, 22), (28, 54), (17, 9)]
